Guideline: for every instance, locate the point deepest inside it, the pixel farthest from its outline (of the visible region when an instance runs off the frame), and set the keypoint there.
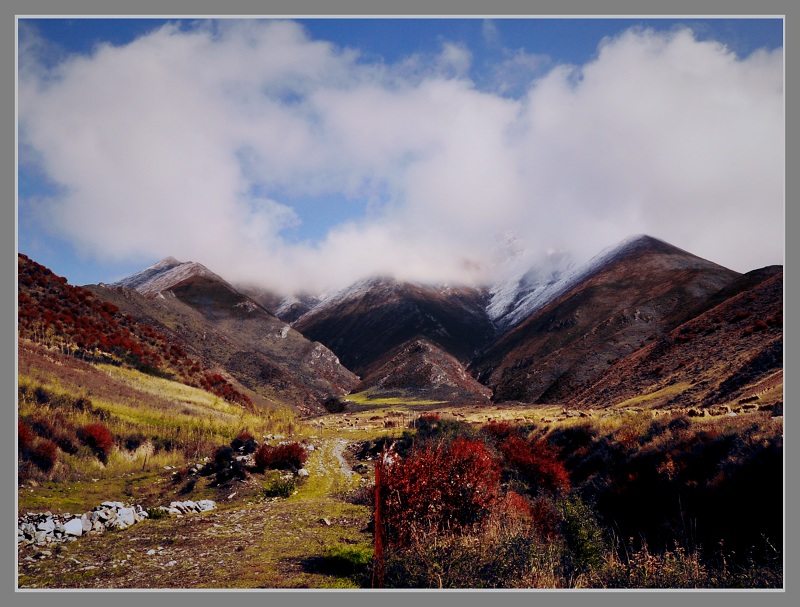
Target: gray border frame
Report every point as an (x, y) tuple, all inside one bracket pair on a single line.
[(302, 8)]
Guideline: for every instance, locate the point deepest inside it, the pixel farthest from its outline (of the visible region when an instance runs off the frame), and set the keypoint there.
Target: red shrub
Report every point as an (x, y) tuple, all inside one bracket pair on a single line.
[(98, 438), (437, 488), (25, 436), (283, 457), (500, 430), (546, 518), (264, 456), (44, 455), (537, 462)]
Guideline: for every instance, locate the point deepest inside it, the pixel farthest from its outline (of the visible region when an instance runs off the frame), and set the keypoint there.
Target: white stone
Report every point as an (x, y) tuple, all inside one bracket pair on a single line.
[(73, 527), (47, 526), (205, 505), (126, 517)]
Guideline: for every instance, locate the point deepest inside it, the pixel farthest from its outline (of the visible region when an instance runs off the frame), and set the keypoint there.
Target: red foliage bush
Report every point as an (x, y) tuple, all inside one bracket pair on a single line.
[(98, 438), (447, 486), (499, 430), (286, 456), (25, 436), (537, 462), (44, 455)]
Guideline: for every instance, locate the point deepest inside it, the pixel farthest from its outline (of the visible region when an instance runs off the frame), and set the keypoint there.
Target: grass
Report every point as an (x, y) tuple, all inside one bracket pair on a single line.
[(366, 398), (646, 399), (311, 536)]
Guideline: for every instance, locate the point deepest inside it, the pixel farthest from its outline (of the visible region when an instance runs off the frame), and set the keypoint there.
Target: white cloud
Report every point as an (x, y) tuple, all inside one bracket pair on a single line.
[(193, 144)]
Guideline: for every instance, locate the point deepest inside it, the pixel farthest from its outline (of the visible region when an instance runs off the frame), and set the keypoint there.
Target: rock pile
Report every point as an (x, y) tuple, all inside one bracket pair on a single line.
[(188, 506), (47, 528)]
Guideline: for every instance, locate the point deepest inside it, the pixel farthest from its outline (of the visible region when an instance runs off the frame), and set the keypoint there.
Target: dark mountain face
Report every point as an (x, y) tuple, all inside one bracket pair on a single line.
[(373, 318), (636, 293), (220, 324)]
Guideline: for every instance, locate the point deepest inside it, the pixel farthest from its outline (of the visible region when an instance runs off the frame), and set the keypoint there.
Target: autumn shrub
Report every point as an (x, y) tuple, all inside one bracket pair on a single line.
[(537, 462), (587, 541), (280, 486), (25, 436), (44, 455), (502, 557), (244, 443), (286, 456), (98, 438), (446, 486)]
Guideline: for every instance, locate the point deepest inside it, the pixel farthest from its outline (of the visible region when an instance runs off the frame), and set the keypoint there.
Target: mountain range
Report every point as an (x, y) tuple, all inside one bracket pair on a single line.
[(642, 322)]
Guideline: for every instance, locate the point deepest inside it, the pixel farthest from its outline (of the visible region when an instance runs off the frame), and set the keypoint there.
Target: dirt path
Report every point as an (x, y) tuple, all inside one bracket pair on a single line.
[(260, 543)]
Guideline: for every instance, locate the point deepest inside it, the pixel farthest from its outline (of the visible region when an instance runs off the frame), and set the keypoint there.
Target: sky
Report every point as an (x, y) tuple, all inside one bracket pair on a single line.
[(303, 155)]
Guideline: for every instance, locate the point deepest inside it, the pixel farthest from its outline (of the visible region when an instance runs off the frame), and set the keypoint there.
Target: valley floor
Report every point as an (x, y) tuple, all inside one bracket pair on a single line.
[(250, 543)]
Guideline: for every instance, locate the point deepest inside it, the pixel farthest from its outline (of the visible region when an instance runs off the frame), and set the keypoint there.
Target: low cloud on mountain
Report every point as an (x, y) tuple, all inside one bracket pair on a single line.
[(229, 143)]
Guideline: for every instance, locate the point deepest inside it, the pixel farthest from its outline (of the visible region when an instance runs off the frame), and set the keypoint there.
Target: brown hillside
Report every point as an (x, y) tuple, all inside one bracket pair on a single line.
[(217, 323), (422, 370), (75, 321), (732, 352), (638, 294)]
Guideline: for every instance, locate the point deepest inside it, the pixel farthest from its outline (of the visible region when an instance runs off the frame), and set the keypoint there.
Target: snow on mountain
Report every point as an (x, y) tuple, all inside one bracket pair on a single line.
[(514, 300), (165, 274)]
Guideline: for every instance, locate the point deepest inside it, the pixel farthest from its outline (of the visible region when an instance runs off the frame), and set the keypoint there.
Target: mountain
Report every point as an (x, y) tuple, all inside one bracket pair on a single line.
[(287, 308), (370, 319), (72, 320), (731, 352), (421, 370), (514, 299), (599, 313), (215, 321)]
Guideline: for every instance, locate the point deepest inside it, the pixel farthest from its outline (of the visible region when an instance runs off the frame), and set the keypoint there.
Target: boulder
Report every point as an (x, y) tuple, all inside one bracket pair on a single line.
[(73, 527), (48, 525), (206, 505)]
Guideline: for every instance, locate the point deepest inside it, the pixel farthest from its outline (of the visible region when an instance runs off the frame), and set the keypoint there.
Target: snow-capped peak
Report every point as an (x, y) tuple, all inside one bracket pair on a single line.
[(163, 275)]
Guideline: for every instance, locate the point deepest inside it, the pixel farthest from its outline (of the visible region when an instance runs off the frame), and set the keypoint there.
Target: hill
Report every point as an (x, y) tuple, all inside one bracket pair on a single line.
[(625, 297), (214, 321)]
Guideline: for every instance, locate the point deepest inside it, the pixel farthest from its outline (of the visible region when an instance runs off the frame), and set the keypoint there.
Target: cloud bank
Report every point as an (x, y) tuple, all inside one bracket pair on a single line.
[(217, 143)]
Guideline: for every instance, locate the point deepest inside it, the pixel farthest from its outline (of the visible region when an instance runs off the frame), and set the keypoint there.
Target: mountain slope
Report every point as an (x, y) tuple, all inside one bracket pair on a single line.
[(422, 370), (373, 317), (71, 319), (218, 323), (733, 351), (605, 310)]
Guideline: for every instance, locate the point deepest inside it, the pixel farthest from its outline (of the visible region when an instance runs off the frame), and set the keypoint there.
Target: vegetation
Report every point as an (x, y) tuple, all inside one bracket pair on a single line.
[(639, 502), (73, 321)]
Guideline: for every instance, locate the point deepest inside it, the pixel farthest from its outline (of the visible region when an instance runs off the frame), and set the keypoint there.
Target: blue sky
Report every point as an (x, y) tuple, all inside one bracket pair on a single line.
[(307, 154)]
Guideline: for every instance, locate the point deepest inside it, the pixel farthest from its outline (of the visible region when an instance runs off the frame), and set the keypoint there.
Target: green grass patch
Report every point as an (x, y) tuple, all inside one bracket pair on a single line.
[(367, 398), (662, 393)]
